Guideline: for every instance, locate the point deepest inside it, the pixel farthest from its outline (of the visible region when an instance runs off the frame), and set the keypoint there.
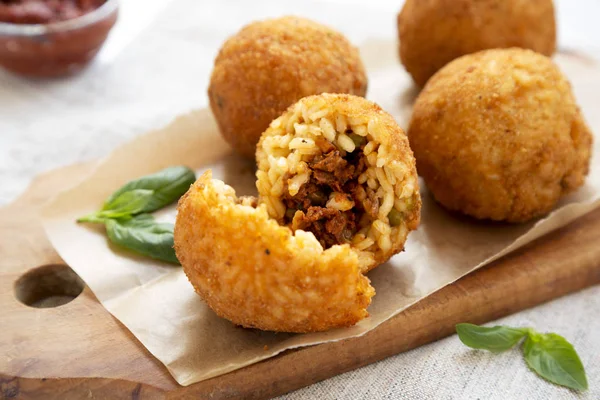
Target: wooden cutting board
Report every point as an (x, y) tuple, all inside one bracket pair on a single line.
[(79, 350)]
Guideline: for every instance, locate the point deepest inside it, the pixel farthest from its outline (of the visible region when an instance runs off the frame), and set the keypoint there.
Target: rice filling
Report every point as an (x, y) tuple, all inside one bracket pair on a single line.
[(338, 169)]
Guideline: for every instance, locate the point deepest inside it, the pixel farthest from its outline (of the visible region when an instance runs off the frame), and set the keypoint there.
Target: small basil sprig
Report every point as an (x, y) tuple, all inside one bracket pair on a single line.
[(146, 194), (125, 216), (167, 186), (549, 355), (123, 206)]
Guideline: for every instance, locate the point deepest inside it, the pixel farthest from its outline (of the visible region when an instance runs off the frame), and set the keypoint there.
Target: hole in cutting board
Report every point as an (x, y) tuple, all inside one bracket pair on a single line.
[(48, 286)]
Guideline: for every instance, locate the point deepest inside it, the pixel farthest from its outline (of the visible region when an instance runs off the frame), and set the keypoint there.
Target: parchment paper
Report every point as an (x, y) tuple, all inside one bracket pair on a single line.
[(157, 303)]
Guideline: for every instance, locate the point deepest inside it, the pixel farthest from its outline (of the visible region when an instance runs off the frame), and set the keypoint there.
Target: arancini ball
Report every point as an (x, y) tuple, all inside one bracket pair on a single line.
[(498, 135), (269, 65), (340, 167), (338, 195), (434, 32), (258, 274)]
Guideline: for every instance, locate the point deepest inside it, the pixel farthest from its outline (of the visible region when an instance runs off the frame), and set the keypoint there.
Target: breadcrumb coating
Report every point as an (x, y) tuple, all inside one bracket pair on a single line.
[(498, 135), (269, 65), (257, 274), (434, 32)]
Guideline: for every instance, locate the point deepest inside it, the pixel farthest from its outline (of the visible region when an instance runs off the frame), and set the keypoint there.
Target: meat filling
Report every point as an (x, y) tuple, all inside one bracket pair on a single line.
[(331, 172)]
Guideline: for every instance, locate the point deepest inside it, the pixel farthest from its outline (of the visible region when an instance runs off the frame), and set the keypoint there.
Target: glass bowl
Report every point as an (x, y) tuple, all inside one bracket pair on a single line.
[(57, 48)]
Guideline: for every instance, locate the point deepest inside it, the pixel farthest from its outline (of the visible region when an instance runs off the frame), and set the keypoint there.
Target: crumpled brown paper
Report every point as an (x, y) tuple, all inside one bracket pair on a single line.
[(157, 303)]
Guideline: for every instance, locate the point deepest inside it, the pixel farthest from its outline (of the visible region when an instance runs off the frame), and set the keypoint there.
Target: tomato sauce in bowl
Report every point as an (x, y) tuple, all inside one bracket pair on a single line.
[(45, 38)]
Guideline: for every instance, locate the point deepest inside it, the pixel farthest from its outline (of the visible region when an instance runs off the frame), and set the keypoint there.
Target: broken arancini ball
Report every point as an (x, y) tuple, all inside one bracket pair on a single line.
[(269, 65), (338, 195), (340, 167), (498, 135), (434, 32), (258, 274)]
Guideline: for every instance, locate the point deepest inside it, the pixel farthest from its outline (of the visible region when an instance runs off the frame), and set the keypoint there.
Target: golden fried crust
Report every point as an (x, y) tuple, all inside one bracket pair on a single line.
[(253, 272), (435, 32), (271, 64), (497, 135)]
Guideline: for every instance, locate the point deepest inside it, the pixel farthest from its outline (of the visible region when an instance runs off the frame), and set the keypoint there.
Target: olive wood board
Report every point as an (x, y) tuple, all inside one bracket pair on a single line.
[(78, 350)]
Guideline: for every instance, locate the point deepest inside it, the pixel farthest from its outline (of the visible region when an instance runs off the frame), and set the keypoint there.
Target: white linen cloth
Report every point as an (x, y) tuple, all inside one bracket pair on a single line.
[(156, 65)]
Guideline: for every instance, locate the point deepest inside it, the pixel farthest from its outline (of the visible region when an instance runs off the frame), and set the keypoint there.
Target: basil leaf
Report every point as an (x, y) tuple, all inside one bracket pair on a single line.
[(495, 339), (123, 206), (549, 355), (553, 358), (144, 235), (167, 186), (127, 203)]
